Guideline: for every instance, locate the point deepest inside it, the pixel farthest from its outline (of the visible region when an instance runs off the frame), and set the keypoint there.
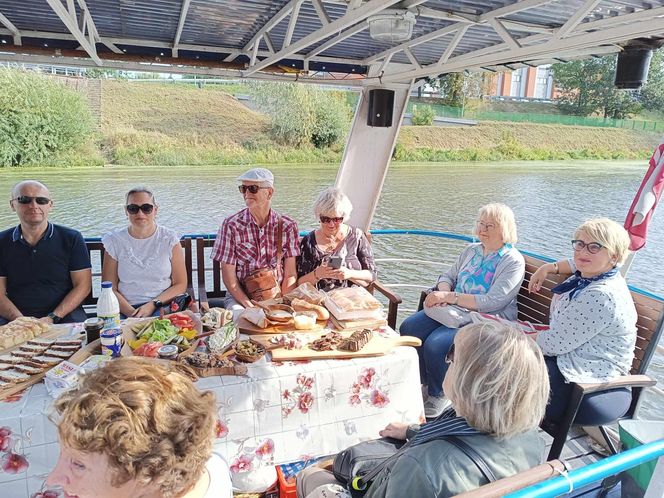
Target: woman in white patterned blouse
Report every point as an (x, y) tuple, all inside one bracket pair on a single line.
[(592, 324)]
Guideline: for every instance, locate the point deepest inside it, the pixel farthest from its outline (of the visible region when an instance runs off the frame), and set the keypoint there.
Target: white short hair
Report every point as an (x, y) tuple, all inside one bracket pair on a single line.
[(333, 201), (502, 216)]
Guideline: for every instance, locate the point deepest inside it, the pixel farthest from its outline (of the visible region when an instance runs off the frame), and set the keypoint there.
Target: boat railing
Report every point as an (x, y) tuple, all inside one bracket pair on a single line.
[(595, 472)]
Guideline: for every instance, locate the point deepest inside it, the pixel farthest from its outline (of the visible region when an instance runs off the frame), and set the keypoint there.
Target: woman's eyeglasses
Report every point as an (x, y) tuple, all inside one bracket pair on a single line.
[(591, 247), (134, 208), (449, 357), (26, 199), (485, 226), (251, 188), (336, 220)]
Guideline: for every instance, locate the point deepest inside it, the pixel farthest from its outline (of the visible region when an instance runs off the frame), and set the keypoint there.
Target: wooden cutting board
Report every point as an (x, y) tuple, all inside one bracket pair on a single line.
[(246, 327), (377, 346)]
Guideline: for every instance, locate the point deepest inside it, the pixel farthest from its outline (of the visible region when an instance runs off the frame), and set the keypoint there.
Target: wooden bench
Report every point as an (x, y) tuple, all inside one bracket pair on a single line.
[(650, 322), (96, 252), (214, 296)]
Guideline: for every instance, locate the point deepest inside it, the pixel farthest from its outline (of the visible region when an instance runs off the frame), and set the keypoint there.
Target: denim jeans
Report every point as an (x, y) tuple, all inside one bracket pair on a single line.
[(436, 341)]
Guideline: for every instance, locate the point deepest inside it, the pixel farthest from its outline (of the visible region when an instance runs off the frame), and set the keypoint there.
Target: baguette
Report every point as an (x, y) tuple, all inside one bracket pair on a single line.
[(302, 305)]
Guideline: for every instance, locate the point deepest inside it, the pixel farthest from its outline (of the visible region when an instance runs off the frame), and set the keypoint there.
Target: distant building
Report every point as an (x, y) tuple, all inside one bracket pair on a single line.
[(524, 83)]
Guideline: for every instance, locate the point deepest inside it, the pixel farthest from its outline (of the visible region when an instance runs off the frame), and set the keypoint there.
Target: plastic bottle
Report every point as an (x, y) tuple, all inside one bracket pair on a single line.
[(108, 307)]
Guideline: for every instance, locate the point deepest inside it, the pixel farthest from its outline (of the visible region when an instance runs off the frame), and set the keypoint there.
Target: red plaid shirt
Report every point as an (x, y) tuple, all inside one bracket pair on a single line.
[(242, 243)]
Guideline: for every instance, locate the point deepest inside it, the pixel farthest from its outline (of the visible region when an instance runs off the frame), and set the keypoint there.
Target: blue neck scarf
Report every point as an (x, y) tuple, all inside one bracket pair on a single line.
[(448, 424), (576, 283)]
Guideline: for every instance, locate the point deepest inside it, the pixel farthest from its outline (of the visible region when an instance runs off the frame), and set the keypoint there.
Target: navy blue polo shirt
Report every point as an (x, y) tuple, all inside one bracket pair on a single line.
[(38, 277)]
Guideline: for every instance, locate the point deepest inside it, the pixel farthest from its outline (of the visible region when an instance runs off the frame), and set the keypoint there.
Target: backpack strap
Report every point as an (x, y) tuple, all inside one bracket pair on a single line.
[(474, 456)]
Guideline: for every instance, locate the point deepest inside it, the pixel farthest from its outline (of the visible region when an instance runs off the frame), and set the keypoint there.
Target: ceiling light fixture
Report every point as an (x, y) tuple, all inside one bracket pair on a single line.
[(392, 25)]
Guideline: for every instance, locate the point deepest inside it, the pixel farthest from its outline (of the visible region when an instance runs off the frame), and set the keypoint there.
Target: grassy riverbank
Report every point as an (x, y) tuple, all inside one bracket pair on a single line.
[(149, 124)]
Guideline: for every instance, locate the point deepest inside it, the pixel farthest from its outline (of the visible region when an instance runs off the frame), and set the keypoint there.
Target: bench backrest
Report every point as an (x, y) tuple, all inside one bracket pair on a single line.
[(535, 308), (205, 265), (96, 251)]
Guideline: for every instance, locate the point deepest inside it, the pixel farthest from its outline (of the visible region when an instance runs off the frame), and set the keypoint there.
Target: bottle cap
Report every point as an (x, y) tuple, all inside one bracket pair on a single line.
[(106, 285)]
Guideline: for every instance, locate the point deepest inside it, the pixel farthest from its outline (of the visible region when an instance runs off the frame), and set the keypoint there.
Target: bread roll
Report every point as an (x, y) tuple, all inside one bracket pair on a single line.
[(302, 305)]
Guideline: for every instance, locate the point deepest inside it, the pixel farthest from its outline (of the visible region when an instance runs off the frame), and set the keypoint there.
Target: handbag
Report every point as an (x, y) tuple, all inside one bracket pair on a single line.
[(357, 466), (262, 284), (451, 316)]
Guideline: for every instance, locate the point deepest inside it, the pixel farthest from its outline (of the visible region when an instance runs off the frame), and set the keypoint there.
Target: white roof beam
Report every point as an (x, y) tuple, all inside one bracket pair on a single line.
[(503, 33), (449, 50), (349, 19), (412, 43), (321, 12), (71, 23), (268, 43), (339, 38), (12, 29), (276, 19), (574, 21), (254, 52), (295, 13), (178, 32), (512, 9), (411, 57), (651, 27)]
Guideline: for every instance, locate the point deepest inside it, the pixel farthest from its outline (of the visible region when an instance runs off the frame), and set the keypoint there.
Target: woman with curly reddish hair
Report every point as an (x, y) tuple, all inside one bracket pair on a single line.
[(138, 428)]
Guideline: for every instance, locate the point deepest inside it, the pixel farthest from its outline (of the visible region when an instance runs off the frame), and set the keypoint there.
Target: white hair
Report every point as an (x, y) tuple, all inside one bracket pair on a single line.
[(333, 202)]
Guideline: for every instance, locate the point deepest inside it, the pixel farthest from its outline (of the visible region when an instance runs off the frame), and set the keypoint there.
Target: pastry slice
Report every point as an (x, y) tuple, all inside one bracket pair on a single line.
[(41, 342), (30, 370), (46, 360), (14, 377), (59, 354), (24, 354)]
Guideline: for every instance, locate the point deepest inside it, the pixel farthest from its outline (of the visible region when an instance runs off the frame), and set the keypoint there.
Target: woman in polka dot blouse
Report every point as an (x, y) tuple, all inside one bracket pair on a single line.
[(592, 324)]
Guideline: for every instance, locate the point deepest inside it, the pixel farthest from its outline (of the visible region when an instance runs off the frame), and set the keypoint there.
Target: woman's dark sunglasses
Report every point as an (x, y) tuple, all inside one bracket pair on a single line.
[(251, 188), (134, 208), (327, 219), (592, 247), (26, 199), (449, 357)]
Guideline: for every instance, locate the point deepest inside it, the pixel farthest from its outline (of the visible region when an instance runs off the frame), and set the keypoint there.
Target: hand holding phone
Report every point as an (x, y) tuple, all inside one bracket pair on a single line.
[(335, 262)]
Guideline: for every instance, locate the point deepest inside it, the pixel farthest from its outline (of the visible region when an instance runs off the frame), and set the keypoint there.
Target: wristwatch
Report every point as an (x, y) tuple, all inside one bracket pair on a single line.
[(54, 317), (456, 298), (157, 303)]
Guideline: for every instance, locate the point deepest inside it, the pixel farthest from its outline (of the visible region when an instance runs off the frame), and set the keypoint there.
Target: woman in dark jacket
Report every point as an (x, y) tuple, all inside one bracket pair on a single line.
[(498, 385)]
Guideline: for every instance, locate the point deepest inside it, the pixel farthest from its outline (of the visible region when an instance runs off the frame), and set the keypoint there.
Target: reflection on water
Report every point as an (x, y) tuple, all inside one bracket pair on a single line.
[(549, 199)]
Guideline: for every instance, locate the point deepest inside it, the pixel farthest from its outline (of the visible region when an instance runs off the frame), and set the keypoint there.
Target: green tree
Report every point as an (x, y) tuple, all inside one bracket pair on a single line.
[(303, 114), (652, 93), (586, 87), (40, 119)]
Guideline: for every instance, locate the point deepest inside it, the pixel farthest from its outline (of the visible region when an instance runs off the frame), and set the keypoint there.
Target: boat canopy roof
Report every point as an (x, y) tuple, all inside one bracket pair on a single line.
[(314, 40)]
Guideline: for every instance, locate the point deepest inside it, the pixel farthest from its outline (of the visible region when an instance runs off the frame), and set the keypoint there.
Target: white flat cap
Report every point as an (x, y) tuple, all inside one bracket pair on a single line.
[(259, 175)]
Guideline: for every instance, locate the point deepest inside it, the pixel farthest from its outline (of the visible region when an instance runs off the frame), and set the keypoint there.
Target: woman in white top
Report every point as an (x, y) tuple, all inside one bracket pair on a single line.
[(144, 261), (593, 322)]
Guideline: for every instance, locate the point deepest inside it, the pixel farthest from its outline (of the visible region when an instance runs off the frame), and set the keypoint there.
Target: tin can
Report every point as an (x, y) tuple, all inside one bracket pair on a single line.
[(93, 326), (111, 342), (168, 352)]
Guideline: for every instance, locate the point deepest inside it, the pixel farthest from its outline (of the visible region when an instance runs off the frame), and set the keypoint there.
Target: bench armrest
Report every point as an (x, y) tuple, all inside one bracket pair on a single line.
[(394, 302), (391, 296), (623, 381)]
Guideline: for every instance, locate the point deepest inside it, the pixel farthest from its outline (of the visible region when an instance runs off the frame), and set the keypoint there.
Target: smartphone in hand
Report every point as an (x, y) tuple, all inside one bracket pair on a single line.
[(335, 262)]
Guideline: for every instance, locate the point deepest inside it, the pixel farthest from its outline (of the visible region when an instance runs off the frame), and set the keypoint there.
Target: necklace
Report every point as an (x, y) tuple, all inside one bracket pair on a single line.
[(328, 245)]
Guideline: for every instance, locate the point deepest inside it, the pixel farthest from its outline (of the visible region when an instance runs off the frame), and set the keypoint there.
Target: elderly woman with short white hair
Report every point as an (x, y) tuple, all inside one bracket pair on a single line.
[(486, 277), (499, 388), (592, 323), (335, 254)]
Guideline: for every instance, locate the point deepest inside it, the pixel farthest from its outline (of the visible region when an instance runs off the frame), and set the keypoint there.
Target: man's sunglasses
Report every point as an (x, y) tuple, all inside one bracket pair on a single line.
[(592, 247), (26, 199), (326, 219), (251, 188), (134, 208)]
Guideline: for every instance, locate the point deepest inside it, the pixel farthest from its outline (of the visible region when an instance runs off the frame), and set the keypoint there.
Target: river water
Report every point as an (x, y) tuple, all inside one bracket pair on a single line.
[(549, 199)]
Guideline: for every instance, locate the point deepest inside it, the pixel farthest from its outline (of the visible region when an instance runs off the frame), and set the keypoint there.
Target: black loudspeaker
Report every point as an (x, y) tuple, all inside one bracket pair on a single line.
[(632, 68), (381, 108)]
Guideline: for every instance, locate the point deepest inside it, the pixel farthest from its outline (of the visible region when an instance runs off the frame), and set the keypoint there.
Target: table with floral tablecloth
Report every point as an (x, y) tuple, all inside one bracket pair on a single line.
[(277, 413)]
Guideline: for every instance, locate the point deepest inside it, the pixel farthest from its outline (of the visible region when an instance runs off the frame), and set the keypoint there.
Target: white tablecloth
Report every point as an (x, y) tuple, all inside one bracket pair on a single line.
[(278, 413)]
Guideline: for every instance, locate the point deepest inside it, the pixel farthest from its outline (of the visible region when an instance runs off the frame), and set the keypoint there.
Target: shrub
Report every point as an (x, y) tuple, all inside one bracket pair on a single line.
[(303, 114), (423, 115), (39, 119)]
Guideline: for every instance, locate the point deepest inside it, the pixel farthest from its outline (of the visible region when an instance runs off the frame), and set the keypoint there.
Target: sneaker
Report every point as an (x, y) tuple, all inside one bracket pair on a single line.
[(435, 405)]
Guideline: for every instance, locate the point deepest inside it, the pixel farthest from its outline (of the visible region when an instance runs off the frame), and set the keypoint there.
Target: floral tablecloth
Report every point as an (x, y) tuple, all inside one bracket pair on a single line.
[(278, 413)]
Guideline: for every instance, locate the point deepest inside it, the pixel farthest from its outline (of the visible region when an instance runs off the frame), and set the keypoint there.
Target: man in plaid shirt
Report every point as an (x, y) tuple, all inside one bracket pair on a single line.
[(247, 240)]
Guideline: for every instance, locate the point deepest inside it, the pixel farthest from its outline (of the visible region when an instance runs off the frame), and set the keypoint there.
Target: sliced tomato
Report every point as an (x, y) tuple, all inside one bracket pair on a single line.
[(149, 350)]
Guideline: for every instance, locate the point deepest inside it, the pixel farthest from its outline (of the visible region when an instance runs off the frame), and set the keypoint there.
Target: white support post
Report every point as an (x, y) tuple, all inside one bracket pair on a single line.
[(13, 30), (367, 155), (254, 52), (497, 25), (350, 19), (72, 25), (178, 32), (268, 43), (411, 57)]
